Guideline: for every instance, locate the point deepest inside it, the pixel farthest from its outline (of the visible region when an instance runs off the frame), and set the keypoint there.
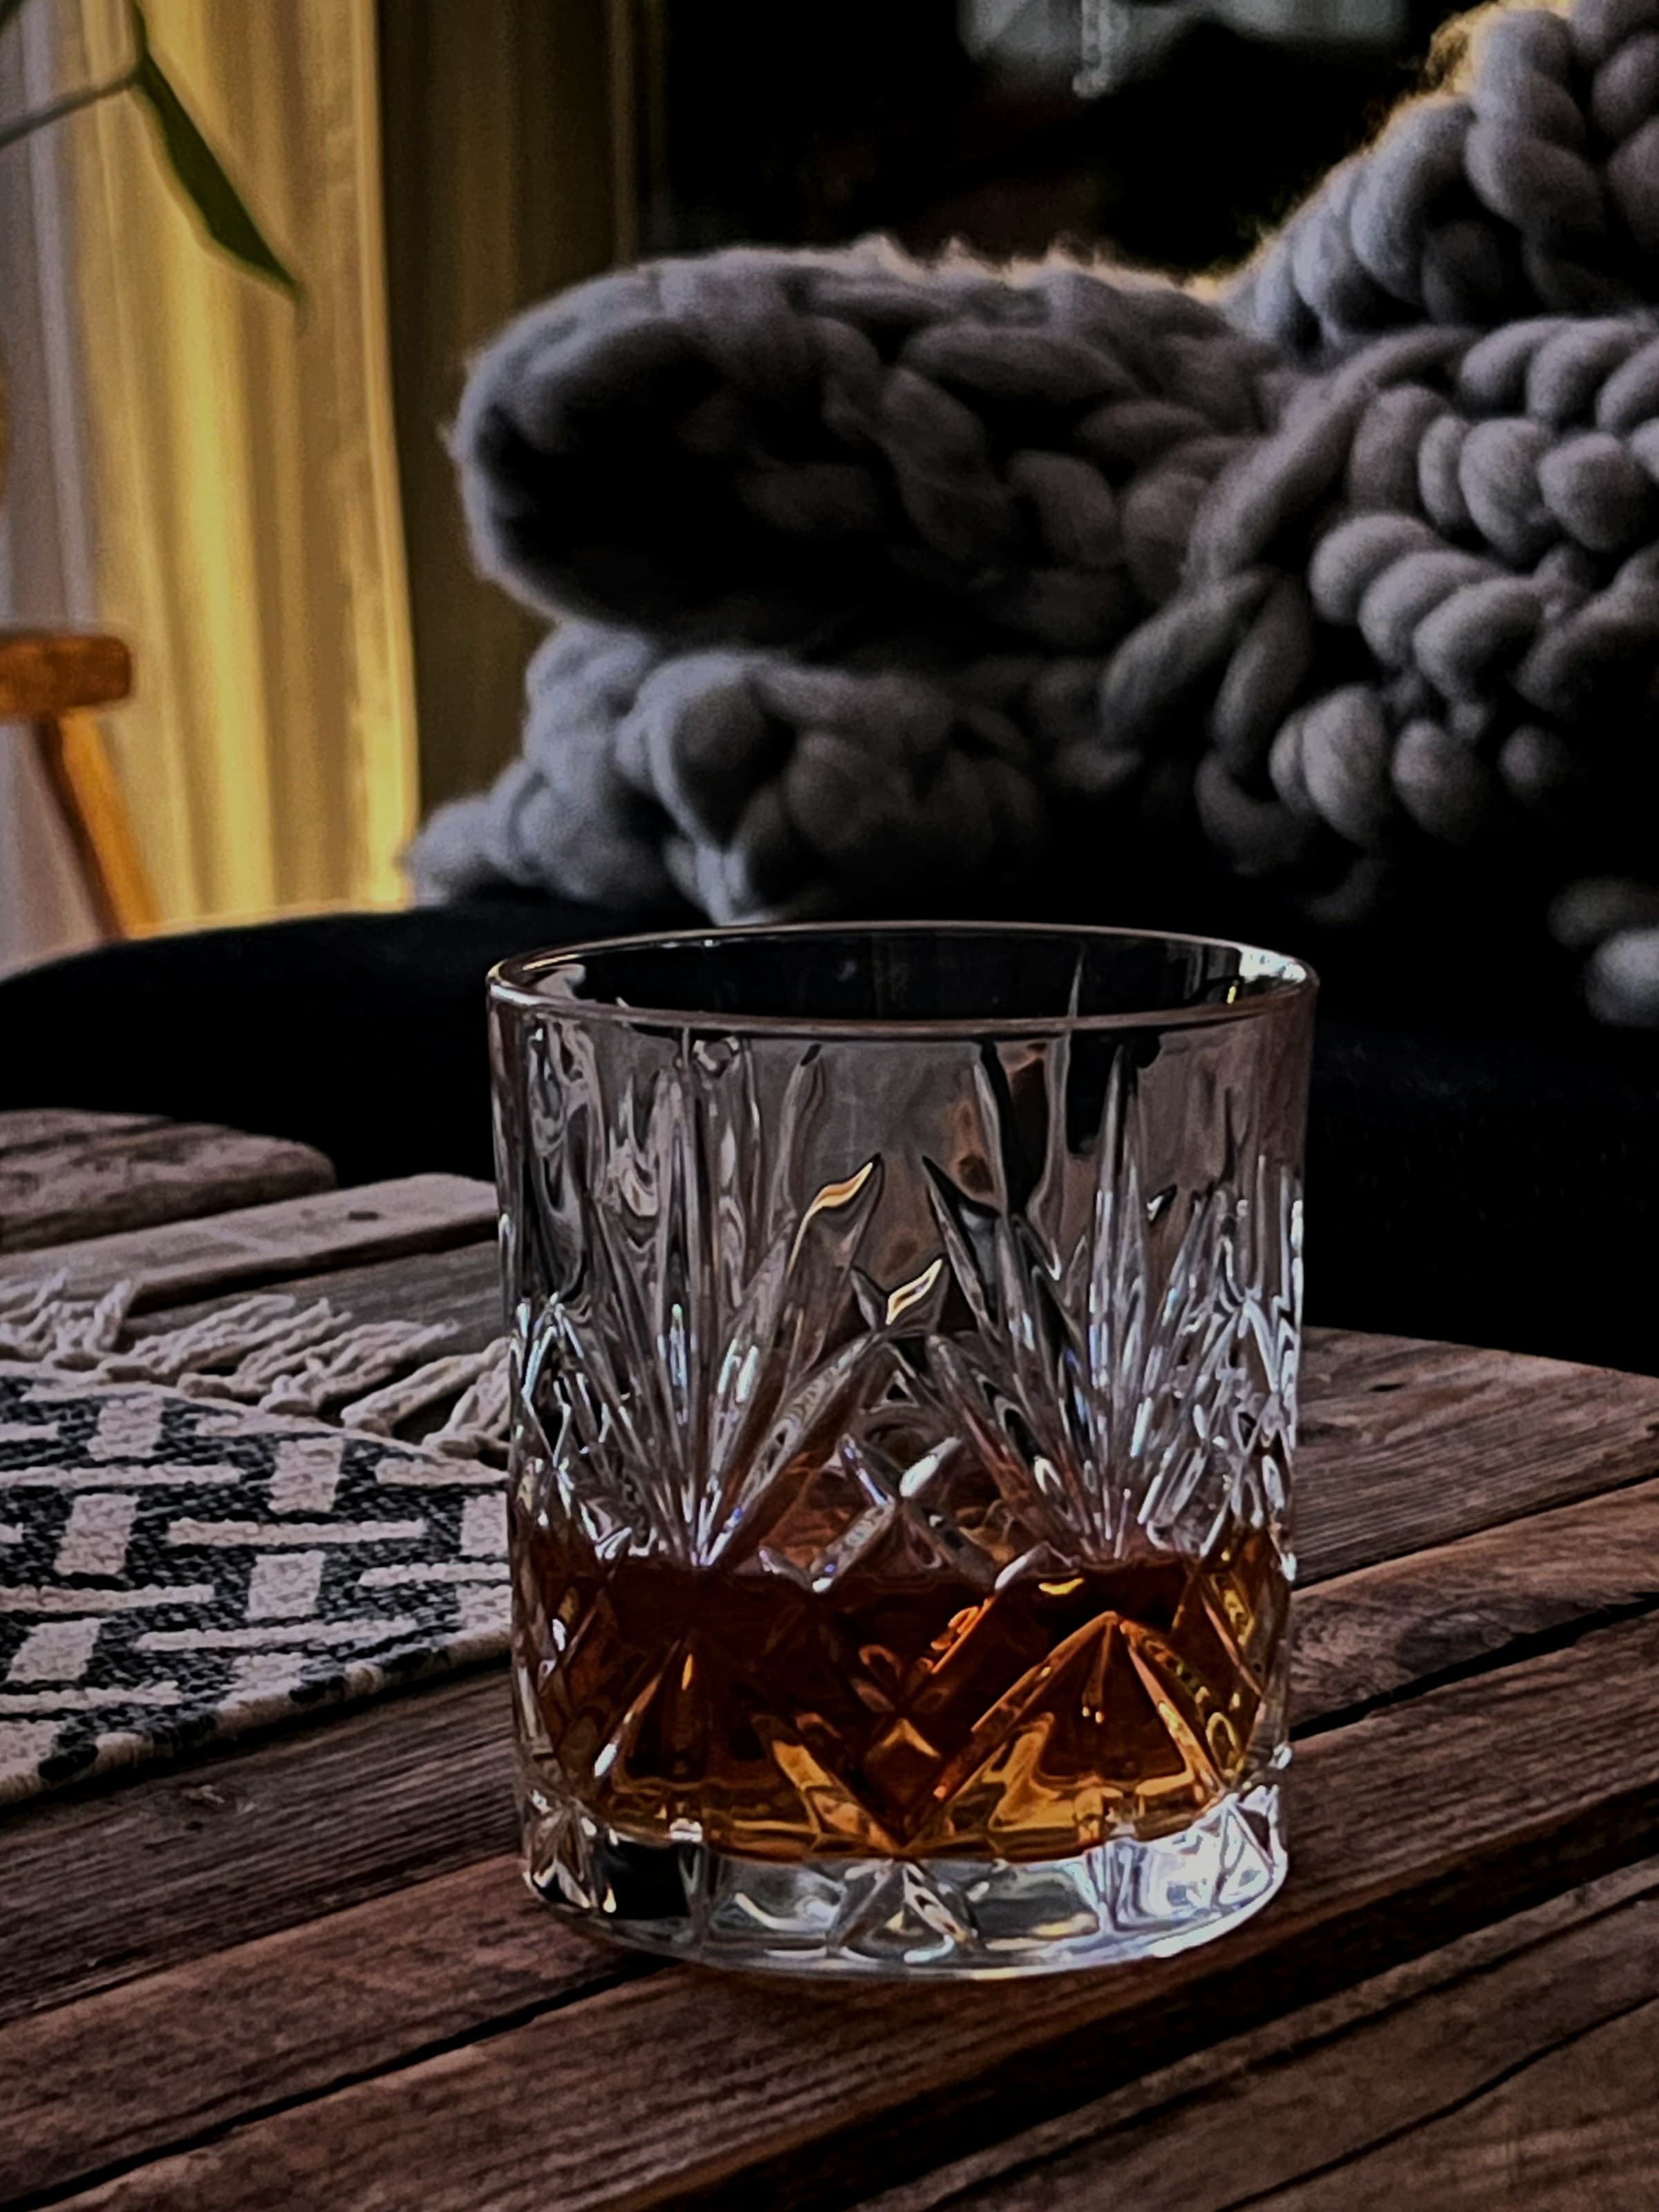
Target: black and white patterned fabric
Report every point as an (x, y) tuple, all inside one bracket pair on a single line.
[(175, 1568)]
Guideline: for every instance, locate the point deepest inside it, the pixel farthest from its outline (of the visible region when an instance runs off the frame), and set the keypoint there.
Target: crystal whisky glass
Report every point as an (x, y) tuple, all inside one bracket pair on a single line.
[(907, 1322)]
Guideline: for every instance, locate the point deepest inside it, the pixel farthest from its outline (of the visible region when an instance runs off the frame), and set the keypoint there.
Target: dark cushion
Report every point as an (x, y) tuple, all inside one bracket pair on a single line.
[(1473, 1174)]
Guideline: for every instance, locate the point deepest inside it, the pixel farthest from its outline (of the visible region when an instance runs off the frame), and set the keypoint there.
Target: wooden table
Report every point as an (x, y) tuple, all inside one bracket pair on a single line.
[(305, 1972)]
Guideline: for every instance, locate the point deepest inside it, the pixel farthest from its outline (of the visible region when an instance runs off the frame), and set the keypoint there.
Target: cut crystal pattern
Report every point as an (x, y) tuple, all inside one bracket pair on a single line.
[(1122, 1900), (900, 1488)]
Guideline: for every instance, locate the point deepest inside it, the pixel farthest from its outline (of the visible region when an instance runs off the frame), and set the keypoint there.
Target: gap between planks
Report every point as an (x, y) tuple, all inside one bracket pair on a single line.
[(459, 1286), (1404, 1443), (65, 1175), (1414, 1827), (1394, 2081), (1313, 2092), (454, 1942), (259, 1244), (251, 1836), (1389, 1412)]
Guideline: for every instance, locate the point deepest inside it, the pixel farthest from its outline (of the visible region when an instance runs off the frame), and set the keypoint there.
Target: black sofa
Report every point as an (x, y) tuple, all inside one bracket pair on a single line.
[(1482, 1163)]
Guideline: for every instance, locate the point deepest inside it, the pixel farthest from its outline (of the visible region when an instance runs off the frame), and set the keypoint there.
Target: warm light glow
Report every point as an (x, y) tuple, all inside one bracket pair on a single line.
[(249, 545)]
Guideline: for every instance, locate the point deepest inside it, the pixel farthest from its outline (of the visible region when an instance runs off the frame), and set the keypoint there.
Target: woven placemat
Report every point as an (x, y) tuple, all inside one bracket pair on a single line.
[(176, 1565)]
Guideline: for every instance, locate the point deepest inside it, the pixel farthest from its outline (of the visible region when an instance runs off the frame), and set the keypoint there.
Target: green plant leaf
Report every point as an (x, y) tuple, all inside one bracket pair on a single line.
[(197, 169)]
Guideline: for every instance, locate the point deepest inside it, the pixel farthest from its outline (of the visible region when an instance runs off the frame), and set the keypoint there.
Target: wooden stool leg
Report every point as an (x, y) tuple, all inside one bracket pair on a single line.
[(83, 783)]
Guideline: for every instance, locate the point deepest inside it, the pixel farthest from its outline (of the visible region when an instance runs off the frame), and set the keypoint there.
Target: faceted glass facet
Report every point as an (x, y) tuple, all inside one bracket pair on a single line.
[(906, 1325)]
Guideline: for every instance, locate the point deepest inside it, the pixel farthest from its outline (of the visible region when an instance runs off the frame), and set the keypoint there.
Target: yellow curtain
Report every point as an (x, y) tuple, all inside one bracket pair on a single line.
[(243, 476)]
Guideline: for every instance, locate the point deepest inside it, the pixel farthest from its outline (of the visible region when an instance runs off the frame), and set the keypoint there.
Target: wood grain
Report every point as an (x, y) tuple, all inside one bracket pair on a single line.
[(1411, 1827), (252, 1836), (25, 1125), (1405, 1445), (182, 2053), (73, 1175), (462, 1287), (1311, 2091), (1368, 1627), (1381, 1630), (121, 1880), (318, 1945), (268, 1243), (1572, 2127), (1384, 1417)]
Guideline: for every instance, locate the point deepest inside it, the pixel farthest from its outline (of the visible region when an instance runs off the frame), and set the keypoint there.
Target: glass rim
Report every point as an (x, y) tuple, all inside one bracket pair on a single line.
[(512, 982)]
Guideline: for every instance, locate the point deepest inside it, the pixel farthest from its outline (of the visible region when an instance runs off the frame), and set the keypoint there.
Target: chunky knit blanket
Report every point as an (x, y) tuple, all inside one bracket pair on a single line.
[(874, 581)]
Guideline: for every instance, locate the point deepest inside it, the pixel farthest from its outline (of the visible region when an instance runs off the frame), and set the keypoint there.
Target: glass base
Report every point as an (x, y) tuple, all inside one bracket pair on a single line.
[(906, 1919)]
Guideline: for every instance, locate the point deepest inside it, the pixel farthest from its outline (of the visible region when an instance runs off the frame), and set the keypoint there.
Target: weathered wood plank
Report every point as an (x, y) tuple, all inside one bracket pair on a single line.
[(1322, 2085), (125, 2074), (70, 1176), (25, 1125), (1575, 2127), (433, 1783), (269, 1243), (1408, 1445), (462, 1287), (137, 2068), (134, 2071), (1385, 1417), (1382, 1631), (1572, 2128), (117, 1880), (1411, 1826), (1405, 1443)]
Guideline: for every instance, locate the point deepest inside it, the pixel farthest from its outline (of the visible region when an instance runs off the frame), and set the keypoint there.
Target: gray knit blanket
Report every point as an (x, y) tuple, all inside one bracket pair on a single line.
[(878, 584)]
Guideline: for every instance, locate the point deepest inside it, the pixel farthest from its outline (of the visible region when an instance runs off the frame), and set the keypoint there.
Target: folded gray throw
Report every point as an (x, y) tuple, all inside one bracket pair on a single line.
[(874, 577)]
